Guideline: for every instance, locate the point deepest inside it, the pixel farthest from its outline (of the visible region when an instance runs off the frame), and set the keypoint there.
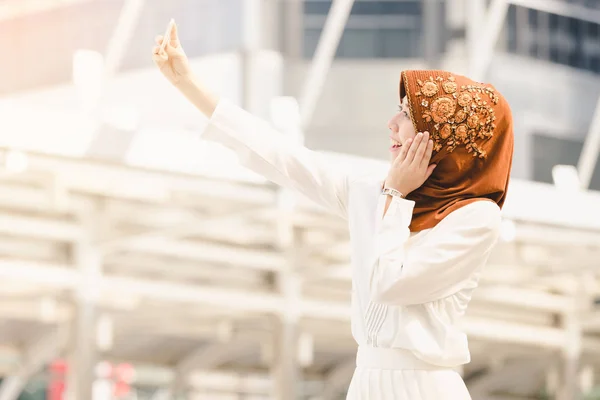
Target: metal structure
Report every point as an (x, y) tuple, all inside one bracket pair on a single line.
[(324, 55), (590, 151), (482, 40), (201, 275), (230, 287)]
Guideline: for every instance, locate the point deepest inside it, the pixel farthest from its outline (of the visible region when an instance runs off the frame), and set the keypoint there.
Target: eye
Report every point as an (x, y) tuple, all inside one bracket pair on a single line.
[(401, 109)]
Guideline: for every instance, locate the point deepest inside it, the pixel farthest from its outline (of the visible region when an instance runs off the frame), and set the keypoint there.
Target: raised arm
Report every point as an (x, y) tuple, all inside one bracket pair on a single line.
[(258, 146), (174, 65), (263, 150)]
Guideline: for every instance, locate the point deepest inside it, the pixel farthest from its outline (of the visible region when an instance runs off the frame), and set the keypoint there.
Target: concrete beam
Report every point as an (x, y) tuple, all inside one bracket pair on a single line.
[(527, 298), (210, 253), (254, 301), (161, 188), (190, 226), (39, 227)]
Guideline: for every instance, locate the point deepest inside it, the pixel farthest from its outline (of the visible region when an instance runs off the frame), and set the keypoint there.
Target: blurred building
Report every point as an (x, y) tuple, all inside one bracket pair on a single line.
[(138, 262)]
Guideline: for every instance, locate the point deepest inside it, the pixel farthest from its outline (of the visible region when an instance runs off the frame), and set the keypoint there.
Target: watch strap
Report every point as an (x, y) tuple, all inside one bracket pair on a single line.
[(392, 192)]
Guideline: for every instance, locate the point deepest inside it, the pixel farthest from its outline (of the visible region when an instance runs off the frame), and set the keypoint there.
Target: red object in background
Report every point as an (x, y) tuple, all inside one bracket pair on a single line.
[(121, 389), (125, 373), (59, 367), (56, 390), (122, 374), (58, 376)]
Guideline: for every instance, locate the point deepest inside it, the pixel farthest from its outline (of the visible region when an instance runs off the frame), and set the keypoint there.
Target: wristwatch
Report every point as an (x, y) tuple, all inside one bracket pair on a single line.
[(392, 192)]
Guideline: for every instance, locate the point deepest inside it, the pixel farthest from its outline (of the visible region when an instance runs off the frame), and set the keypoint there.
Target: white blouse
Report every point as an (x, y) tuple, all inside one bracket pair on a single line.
[(409, 291)]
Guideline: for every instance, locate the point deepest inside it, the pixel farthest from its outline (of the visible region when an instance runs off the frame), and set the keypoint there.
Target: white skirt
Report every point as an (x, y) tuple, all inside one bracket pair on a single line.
[(395, 374)]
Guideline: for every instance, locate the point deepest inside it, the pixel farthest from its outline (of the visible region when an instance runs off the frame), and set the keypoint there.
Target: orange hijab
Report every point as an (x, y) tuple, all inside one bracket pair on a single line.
[(472, 129)]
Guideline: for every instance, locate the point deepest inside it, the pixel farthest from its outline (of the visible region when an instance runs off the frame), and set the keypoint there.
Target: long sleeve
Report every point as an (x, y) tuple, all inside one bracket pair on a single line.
[(263, 150), (441, 263)]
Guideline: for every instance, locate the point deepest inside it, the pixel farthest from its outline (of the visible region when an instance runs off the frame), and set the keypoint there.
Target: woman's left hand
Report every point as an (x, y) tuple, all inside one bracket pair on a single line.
[(411, 168)]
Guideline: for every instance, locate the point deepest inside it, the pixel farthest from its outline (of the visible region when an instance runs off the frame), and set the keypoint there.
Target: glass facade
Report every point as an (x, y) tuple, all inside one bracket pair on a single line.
[(375, 29), (548, 151), (561, 40), (555, 38)]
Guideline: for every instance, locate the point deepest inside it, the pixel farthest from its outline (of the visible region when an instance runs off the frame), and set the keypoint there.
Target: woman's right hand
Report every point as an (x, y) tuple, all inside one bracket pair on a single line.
[(411, 168), (172, 62)]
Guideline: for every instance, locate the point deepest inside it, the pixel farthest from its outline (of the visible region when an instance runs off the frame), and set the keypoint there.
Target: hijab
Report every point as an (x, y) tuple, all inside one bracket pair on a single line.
[(471, 126)]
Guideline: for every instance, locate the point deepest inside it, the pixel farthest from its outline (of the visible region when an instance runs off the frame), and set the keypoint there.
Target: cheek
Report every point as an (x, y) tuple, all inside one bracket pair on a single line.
[(396, 121), (406, 131)]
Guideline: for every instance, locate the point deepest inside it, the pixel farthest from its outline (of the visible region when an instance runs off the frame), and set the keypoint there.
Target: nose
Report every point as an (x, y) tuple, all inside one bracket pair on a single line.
[(393, 125)]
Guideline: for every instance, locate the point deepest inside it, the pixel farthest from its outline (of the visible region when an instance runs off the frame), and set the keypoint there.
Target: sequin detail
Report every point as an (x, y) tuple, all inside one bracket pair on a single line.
[(462, 115)]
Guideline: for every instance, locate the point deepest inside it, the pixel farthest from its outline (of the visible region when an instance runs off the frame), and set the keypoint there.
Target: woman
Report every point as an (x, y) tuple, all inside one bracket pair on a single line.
[(419, 238)]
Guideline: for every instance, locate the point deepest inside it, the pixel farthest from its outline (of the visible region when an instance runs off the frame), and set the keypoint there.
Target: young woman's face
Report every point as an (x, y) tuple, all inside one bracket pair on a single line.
[(401, 128)]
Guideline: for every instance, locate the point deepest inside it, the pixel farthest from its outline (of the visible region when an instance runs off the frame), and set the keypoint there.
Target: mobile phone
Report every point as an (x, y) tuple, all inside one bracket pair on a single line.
[(167, 37)]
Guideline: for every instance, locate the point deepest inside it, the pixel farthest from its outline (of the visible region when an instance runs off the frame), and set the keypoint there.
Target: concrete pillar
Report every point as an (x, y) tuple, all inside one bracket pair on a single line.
[(324, 54), (586, 379), (571, 382), (455, 49), (569, 387), (82, 352), (483, 36), (293, 28), (251, 41), (261, 65), (552, 378), (286, 366), (432, 35), (475, 16), (286, 370)]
